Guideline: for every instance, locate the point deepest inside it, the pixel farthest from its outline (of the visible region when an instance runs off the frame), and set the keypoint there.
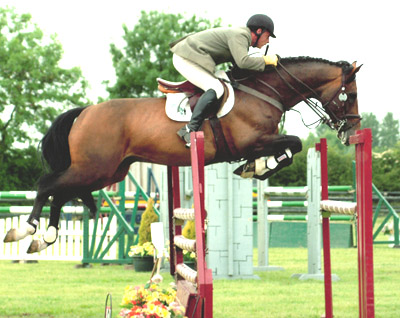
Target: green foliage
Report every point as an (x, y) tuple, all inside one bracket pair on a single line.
[(32, 86), (369, 120), (20, 169), (149, 216), (146, 54), (389, 132), (386, 169), (386, 134)]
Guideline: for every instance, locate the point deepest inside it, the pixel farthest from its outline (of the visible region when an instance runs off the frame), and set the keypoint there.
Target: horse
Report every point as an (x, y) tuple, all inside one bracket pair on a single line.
[(91, 147)]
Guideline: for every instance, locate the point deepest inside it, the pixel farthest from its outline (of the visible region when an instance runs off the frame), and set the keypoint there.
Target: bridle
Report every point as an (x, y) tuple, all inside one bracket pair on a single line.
[(324, 112)]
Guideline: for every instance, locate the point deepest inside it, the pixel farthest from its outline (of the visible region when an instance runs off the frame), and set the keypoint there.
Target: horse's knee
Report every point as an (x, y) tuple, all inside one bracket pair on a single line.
[(291, 142)]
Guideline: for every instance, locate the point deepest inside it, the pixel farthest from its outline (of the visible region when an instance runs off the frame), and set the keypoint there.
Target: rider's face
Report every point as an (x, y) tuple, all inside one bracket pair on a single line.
[(264, 39)]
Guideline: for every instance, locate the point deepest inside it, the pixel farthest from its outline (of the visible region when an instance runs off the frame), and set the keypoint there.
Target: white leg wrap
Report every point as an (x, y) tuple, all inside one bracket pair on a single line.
[(263, 165), (24, 231), (51, 235)]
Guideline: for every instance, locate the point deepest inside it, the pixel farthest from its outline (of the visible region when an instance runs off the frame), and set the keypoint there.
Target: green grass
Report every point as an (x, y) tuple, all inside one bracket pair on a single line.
[(58, 289)]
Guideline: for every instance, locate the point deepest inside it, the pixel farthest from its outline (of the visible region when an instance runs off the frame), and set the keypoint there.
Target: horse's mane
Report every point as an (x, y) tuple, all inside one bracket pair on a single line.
[(242, 73), (346, 66)]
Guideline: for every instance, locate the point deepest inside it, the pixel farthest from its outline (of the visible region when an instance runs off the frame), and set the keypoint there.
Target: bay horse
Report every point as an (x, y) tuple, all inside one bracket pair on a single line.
[(92, 147)]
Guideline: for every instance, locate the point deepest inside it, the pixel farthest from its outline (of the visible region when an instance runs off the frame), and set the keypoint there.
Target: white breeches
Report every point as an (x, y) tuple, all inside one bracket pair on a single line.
[(197, 75)]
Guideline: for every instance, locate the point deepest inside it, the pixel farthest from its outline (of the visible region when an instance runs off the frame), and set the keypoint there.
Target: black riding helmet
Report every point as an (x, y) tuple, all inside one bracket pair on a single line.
[(261, 21)]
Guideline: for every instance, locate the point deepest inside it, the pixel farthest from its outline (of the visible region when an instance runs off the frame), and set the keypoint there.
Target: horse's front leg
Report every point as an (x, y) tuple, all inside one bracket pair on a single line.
[(269, 158)]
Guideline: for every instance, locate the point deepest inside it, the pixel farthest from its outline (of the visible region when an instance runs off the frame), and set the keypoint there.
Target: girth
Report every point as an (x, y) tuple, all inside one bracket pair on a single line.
[(223, 151)]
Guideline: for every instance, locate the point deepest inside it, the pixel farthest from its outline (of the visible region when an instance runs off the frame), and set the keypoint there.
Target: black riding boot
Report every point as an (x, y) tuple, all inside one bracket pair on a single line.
[(204, 107)]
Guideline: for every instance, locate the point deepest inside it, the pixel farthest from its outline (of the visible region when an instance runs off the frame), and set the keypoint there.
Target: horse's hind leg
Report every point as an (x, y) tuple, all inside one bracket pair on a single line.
[(88, 200), (29, 228), (51, 233), (57, 203)]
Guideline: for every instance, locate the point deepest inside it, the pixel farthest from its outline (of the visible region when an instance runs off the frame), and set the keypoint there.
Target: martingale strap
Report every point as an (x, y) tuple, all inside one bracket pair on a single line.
[(260, 95)]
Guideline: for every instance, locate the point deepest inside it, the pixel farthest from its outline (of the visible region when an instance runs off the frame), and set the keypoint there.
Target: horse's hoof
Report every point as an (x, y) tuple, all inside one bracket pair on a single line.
[(11, 236), (246, 170), (34, 247)]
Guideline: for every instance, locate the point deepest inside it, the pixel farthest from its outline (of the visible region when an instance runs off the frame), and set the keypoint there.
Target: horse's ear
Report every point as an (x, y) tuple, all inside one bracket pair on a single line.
[(355, 67), (351, 76)]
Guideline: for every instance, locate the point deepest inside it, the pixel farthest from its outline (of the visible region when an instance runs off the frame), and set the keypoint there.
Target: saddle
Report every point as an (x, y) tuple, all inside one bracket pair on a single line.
[(187, 95), (192, 91)]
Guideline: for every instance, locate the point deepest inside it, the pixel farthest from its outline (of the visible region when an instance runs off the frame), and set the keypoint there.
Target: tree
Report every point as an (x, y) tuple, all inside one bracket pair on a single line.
[(386, 169), (20, 169), (33, 88), (389, 132), (369, 120), (146, 54)]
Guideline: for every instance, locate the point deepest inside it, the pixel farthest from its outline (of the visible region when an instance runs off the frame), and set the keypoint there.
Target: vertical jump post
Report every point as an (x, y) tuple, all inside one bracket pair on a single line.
[(363, 209), (194, 287)]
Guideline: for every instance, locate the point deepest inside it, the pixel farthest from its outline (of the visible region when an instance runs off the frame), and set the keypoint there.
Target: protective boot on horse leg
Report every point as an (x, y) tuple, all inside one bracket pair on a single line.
[(279, 155), (29, 228), (51, 235), (207, 103)]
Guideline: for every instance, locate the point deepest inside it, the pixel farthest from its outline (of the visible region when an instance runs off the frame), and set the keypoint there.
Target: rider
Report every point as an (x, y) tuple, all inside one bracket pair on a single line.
[(196, 55)]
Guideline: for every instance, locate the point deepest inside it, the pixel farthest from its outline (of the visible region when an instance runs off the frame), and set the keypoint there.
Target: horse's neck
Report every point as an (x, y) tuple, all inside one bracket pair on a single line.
[(295, 81)]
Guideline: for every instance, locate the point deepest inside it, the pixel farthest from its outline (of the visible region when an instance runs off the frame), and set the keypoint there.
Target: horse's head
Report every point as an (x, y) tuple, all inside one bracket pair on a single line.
[(339, 100), (305, 78)]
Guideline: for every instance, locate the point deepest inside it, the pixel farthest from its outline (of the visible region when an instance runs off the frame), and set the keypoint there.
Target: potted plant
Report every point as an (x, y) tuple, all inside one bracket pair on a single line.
[(143, 253), (142, 257), (151, 301)]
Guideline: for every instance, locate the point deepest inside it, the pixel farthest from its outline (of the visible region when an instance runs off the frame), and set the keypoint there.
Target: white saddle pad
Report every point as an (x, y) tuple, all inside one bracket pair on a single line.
[(177, 105)]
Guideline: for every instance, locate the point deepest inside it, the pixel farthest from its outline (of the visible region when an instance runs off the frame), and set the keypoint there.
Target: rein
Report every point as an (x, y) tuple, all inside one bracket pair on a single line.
[(324, 112)]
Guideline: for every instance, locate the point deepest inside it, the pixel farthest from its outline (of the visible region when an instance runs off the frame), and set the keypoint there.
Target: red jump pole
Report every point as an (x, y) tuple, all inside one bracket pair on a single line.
[(174, 202), (205, 283), (363, 144), (323, 149)]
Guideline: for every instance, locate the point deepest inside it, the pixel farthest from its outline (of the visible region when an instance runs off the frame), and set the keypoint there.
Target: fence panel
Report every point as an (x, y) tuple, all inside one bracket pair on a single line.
[(68, 247)]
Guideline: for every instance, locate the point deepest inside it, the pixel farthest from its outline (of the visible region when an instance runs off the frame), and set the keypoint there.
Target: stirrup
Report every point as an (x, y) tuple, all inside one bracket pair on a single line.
[(184, 134)]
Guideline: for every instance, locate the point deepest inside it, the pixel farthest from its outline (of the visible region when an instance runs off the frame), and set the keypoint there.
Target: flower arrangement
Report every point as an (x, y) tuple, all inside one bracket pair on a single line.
[(150, 301), (147, 249), (188, 256)]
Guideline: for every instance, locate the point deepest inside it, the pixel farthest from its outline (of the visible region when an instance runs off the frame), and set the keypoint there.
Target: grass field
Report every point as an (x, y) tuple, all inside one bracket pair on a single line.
[(58, 289)]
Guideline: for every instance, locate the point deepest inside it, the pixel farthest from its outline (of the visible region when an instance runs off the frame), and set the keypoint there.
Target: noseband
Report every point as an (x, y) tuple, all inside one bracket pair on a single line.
[(324, 112)]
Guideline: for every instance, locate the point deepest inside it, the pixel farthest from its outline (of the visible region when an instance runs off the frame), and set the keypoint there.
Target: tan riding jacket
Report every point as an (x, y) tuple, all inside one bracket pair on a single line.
[(215, 46)]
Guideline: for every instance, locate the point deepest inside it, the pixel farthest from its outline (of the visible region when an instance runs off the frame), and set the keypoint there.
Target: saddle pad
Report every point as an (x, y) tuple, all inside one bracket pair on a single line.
[(177, 105)]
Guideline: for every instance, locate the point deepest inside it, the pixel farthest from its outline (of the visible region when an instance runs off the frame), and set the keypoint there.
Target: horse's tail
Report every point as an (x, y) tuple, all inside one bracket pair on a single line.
[(55, 147)]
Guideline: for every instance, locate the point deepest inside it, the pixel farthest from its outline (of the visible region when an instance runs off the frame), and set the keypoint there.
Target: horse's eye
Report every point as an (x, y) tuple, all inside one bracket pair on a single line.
[(352, 97)]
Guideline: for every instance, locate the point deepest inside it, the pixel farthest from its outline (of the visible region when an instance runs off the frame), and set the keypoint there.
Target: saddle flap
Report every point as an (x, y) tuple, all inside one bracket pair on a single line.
[(177, 87), (179, 105)]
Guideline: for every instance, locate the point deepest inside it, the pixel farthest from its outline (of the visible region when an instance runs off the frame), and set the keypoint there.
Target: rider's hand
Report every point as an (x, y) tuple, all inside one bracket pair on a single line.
[(271, 59)]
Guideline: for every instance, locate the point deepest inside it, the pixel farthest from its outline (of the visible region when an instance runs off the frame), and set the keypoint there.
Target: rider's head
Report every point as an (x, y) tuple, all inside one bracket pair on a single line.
[(261, 25)]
